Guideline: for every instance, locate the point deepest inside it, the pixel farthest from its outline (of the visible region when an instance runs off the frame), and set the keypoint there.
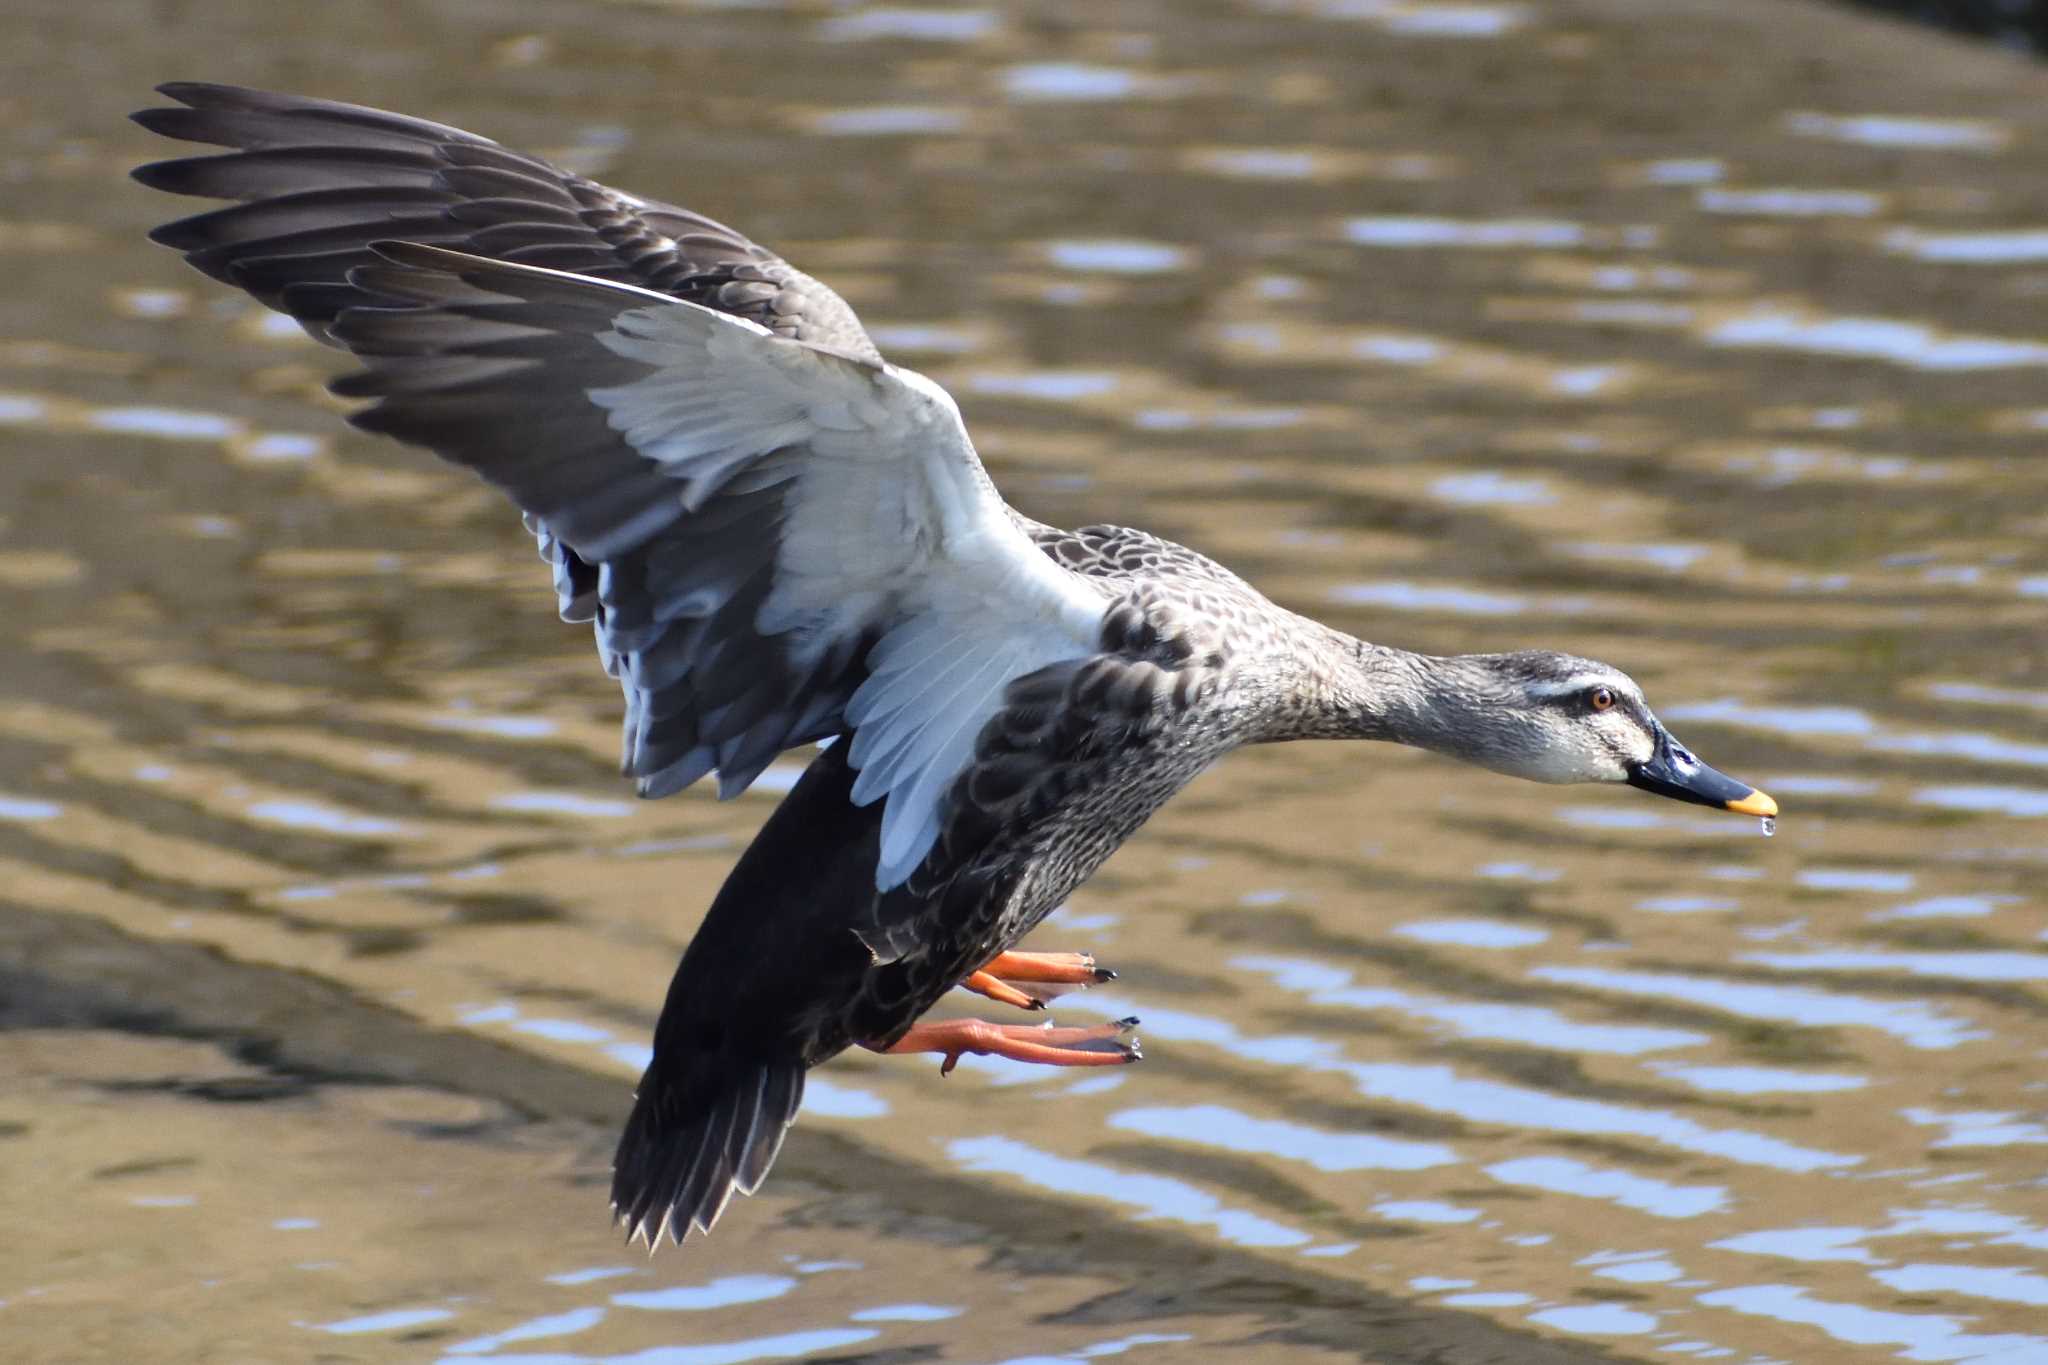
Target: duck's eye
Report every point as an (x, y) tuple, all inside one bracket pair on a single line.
[(1601, 699)]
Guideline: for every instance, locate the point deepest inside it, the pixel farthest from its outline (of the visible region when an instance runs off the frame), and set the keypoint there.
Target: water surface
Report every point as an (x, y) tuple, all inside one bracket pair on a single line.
[(1705, 341)]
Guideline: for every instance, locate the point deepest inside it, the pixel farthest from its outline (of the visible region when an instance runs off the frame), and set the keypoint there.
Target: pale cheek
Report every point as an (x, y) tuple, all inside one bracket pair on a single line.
[(1607, 768), (1621, 756), (1607, 762), (1567, 767)]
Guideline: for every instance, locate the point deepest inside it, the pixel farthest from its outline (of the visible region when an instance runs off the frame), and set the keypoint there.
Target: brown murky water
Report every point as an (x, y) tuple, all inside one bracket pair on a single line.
[(1708, 341)]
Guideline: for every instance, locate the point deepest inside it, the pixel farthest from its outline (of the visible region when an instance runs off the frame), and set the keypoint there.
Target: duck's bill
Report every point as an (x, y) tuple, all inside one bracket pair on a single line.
[(1672, 771)]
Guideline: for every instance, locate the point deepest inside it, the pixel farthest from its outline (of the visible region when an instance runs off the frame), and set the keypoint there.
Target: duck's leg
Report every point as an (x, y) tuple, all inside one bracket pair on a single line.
[(1043, 977), (1096, 1045)]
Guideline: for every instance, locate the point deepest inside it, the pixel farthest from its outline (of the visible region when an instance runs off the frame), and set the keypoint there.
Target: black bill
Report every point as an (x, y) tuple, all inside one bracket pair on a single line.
[(1673, 771)]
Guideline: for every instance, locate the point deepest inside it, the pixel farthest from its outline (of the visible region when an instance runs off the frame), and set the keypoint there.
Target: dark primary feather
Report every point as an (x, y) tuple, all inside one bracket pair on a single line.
[(323, 180)]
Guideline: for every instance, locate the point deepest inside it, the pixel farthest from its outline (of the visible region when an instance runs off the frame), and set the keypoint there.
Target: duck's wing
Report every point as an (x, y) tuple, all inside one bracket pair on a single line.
[(776, 541), (320, 181)]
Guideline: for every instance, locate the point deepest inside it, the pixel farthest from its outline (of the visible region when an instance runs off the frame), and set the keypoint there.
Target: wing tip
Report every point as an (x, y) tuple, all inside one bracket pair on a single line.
[(170, 176), (193, 94), (156, 119), (190, 95)]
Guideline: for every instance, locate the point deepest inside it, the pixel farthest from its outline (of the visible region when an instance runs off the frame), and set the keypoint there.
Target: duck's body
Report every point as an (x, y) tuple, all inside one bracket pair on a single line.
[(781, 539), (801, 957)]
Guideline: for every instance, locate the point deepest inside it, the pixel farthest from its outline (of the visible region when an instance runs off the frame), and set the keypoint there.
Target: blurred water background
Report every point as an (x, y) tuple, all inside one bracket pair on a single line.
[(1705, 337)]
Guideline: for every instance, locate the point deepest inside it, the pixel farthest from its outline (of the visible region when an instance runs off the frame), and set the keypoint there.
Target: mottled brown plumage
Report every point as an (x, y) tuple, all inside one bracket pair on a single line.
[(779, 538)]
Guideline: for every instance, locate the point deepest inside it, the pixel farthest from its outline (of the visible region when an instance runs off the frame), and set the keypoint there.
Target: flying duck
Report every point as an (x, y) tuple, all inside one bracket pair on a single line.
[(781, 539)]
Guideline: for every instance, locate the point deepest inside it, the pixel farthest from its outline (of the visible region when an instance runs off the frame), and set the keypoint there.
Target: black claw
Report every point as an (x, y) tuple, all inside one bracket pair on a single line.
[(1131, 1022), (1103, 974)]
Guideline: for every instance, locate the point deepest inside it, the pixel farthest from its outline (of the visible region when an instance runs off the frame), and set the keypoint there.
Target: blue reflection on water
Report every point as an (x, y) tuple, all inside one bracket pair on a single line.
[(1213, 1125), (888, 120), (553, 1325), (722, 1292), (1153, 1196), (166, 423), (1495, 233), (1473, 933), (1119, 256), (919, 25), (1531, 1025), (1566, 1175), (1441, 1089), (2026, 802), (2008, 1284), (906, 1312), (1076, 81), (1489, 486), (1912, 345), (1982, 966), (788, 1346), (562, 803), (1058, 386), (395, 1320), (1926, 1336), (22, 808), (327, 820), (1428, 597), (1911, 1021), (1597, 1320)]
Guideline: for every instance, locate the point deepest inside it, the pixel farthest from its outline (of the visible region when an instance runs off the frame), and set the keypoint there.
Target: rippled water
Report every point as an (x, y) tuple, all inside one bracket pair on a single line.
[(1707, 343)]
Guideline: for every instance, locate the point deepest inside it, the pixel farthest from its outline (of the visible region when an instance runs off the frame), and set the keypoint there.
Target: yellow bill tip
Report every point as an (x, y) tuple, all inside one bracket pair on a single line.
[(1756, 803)]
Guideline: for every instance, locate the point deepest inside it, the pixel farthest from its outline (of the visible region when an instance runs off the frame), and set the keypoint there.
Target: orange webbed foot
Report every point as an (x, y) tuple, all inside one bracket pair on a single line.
[(1110, 1044), (1029, 980)]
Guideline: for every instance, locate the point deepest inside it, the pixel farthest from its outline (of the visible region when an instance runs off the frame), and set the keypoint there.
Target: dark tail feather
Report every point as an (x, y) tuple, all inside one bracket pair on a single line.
[(679, 1162)]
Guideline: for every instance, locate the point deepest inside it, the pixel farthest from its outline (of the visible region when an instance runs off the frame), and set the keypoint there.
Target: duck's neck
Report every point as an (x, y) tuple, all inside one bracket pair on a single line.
[(1358, 690)]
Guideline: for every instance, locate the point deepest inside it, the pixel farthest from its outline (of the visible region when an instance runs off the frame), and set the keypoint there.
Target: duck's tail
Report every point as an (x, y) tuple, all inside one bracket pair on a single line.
[(764, 991), (703, 1125)]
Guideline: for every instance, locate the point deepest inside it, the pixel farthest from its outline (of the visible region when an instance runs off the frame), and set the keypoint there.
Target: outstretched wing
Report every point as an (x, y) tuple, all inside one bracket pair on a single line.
[(320, 181), (777, 537)]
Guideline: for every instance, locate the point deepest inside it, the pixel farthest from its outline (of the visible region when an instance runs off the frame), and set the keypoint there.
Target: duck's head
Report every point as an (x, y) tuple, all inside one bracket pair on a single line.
[(1555, 717)]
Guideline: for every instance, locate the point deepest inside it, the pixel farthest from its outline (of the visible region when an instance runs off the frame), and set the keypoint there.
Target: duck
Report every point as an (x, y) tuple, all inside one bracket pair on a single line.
[(780, 539)]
